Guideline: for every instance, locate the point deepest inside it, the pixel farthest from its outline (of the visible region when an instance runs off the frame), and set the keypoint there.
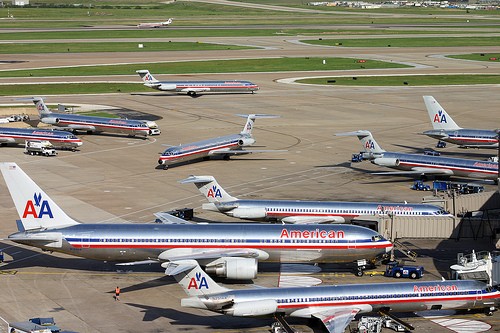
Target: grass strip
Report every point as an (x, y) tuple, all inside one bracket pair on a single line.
[(408, 42), (214, 66), (406, 80)]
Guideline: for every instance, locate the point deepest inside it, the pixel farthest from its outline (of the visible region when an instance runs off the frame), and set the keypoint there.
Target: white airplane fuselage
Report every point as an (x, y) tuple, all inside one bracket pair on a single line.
[(466, 138), (295, 211), (56, 138), (132, 242), (454, 166), (306, 301)]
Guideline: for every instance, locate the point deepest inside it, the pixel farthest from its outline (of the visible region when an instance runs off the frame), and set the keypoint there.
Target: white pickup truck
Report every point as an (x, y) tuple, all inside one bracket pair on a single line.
[(39, 147)]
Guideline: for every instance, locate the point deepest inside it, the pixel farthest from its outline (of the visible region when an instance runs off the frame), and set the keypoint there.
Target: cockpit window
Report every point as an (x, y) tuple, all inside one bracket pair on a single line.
[(376, 238)]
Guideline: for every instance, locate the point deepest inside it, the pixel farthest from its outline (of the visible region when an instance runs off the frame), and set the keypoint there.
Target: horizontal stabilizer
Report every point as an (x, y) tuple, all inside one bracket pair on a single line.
[(355, 133), (174, 268), (255, 116), (197, 179)]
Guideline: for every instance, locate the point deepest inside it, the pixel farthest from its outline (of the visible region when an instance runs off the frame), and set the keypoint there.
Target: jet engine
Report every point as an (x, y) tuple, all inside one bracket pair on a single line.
[(246, 142), (253, 308), (386, 161), (165, 87), (248, 213), (233, 268), (51, 120)]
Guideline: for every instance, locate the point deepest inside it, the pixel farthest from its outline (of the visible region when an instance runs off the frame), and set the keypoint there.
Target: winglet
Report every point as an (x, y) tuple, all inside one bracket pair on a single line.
[(210, 188)]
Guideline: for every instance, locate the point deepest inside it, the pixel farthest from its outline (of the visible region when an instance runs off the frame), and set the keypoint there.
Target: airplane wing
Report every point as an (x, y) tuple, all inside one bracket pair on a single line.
[(81, 127), (337, 320), (227, 151), (195, 90), (166, 218), (173, 255), (418, 171), (313, 219)]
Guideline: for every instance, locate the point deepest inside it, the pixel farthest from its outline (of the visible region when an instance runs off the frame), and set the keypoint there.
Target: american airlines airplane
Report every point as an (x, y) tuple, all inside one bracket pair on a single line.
[(224, 146), (90, 124), (224, 249), (192, 88), (156, 24), (335, 305), (61, 139), (445, 129), (423, 164), (302, 212)]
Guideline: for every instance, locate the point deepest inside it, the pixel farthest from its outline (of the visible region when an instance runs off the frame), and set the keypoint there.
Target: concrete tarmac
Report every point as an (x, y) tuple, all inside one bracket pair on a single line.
[(114, 178)]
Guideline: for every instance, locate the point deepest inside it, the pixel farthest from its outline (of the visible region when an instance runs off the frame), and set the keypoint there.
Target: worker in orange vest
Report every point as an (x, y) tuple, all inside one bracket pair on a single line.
[(117, 293)]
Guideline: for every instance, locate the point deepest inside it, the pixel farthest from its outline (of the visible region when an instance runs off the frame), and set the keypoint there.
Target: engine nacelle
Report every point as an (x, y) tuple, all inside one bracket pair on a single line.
[(248, 213), (246, 142), (253, 308), (233, 268), (385, 161), (51, 120), (166, 87)]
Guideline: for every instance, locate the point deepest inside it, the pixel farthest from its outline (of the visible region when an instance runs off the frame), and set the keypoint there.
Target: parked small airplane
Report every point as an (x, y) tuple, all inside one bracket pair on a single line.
[(61, 139), (335, 305), (223, 146), (225, 249), (302, 212), (423, 164), (445, 129), (156, 24), (192, 88), (90, 124)]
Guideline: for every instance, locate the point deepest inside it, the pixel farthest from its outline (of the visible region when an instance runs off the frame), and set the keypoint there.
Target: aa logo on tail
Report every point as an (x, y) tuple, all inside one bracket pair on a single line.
[(37, 207), (369, 144), (440, 117), (214, 192), (148, 77), (198, 282)]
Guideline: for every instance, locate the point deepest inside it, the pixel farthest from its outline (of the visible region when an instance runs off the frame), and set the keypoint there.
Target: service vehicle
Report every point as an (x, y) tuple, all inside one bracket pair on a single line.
[(395, 269), (419, 185), (47, 322), (39, 147)]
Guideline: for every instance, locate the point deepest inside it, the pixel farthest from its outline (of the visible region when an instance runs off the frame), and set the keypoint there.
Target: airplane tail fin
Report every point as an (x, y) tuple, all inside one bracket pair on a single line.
[(440, 119), (146, 76), (247, 129), (192, 278), (210, 188), (367, 141), (35, 208), (40, 106)]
